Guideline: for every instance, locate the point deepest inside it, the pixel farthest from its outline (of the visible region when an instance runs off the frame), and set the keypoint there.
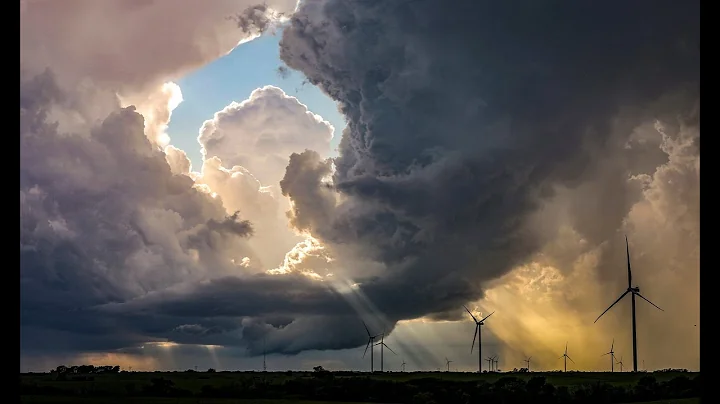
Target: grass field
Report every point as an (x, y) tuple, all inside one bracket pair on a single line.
[(156, 400), (143, 400), (195, 381), (126, 384), (678, 401)]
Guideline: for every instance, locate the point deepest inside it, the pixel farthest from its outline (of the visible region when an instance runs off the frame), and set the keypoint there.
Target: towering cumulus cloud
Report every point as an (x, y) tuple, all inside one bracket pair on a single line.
[(262, 131), (483, 135)]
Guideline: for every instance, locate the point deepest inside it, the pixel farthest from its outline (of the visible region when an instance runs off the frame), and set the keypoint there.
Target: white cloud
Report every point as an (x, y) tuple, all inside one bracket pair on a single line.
[(262, 131)]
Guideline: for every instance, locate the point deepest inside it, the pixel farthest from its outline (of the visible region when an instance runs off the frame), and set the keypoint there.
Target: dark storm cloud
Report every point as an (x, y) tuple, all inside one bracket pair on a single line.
[(104, 220), (464, 116), (117, 251)]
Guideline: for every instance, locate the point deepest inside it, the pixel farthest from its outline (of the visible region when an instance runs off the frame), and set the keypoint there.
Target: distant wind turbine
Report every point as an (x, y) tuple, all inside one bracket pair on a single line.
[(620, 363), (448, 362), (382, 346), (527, 361), (612, 356), (633, 292), (565, 355), (478, 324), (403, 365), (489, 361), (496, 359), (371, 345)]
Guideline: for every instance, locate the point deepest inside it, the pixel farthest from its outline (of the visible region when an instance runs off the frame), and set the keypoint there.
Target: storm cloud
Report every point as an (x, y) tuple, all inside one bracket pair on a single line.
[(468, 118)]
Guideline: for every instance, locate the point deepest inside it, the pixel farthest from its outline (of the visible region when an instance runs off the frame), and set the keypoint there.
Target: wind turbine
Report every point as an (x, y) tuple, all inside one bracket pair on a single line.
[(489, 361), (620, 363), (612, 356), (371, 345), (633, 292), (565, 355), (528, 362), (403, 365), (477, 334), (382, 346), (496, 359), (448, 362)]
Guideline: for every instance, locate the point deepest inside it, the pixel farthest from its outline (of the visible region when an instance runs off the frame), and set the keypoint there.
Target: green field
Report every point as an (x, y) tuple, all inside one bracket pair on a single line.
[(678, 401), (155, 400), (195, 381), (202, 387)]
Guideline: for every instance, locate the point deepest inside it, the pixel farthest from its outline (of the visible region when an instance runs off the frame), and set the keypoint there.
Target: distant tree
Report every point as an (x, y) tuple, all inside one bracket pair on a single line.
[(211, 370), (319, 369)]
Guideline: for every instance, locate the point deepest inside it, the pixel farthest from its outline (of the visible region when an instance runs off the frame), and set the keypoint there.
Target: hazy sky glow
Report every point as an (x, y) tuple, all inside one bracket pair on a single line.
[(183, 201)]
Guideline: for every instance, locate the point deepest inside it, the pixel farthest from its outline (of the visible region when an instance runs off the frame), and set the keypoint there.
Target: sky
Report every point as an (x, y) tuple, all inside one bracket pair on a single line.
[(215, 85), (184, 202)]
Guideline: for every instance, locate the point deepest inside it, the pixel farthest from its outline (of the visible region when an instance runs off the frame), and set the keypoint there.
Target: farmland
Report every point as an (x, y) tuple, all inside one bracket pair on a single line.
[(347, 387)]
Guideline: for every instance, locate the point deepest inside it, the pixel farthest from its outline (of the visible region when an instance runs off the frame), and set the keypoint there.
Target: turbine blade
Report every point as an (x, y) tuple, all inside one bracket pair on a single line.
[(643, 297), (487, 316), (471, 315), (477, 326), (561, 356), (627, 249), (366, 329), (566, 344), (605, 354), (571, 359), (366, 348), (611, 306), (389, 348), (613, 345)]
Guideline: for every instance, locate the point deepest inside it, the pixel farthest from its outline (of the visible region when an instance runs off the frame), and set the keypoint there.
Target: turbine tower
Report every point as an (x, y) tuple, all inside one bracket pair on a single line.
[(496, 359), (264, 365), (633, 292), (478, 324), (371, 345), (620, 363), (612, 356), (448, 362), (382, 346), (528, 362), (489, 361), (565, 355), (402, 366)]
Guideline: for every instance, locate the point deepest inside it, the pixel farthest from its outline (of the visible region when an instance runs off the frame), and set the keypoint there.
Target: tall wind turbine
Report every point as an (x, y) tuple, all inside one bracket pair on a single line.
[(489, 361), (565, 355), (612, 356), (403, 365), (264, 364), (371, 345), (496, 359), (382, 346), (478, 324), (448, 362), (528, 362), (620, 363), (633, 292)]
